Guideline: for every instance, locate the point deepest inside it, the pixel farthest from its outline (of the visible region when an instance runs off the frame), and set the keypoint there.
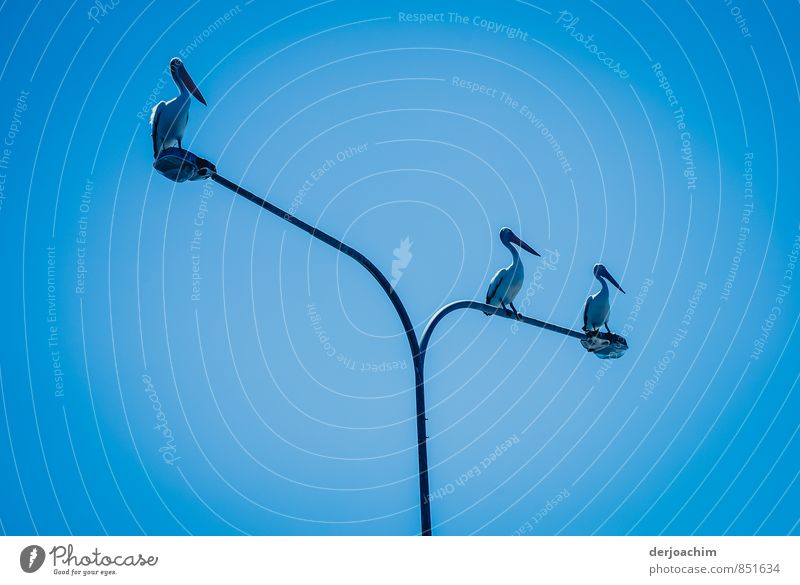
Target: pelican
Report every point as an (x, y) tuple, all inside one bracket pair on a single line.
[(597, 308), (506, 282), (169, 119)]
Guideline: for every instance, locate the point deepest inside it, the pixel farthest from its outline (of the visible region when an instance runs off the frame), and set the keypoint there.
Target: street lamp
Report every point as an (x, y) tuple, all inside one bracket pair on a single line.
[(181, 165)]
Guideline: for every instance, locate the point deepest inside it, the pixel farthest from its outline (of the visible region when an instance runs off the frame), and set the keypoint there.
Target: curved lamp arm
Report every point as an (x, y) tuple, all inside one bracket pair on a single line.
[(422, 448), (492, 310)]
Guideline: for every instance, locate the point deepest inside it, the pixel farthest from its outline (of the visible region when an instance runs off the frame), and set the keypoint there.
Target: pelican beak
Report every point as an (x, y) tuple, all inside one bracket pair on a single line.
[(515, 240), (605, 274), (190, 85)]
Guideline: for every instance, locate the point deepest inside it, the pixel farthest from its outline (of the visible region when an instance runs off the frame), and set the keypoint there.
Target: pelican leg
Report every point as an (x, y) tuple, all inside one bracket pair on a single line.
[(607, 329), (516, 313), (502, 304), (179, 143)]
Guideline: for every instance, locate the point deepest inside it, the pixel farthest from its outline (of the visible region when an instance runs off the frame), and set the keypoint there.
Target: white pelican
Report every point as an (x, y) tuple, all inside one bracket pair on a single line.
[(597, 308), (169, 119), (506, 282)]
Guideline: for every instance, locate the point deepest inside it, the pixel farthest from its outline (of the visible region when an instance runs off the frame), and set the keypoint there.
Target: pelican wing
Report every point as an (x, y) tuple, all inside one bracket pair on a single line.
[(493, 286), (586, 314), (154, 117)]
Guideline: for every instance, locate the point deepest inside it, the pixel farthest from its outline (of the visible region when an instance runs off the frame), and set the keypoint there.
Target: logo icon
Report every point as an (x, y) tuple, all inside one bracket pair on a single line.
[(402, 259), (31, 558)]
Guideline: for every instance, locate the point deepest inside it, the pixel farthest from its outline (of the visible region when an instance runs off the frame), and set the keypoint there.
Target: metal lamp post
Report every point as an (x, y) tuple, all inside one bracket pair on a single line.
[(181, 165)]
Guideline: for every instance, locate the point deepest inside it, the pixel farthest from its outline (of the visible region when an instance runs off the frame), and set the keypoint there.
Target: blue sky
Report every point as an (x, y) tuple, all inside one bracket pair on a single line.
[(174, 361)]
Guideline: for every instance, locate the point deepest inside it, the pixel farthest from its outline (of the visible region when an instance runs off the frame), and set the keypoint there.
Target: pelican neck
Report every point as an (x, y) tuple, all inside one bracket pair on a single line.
[(513, 250)]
